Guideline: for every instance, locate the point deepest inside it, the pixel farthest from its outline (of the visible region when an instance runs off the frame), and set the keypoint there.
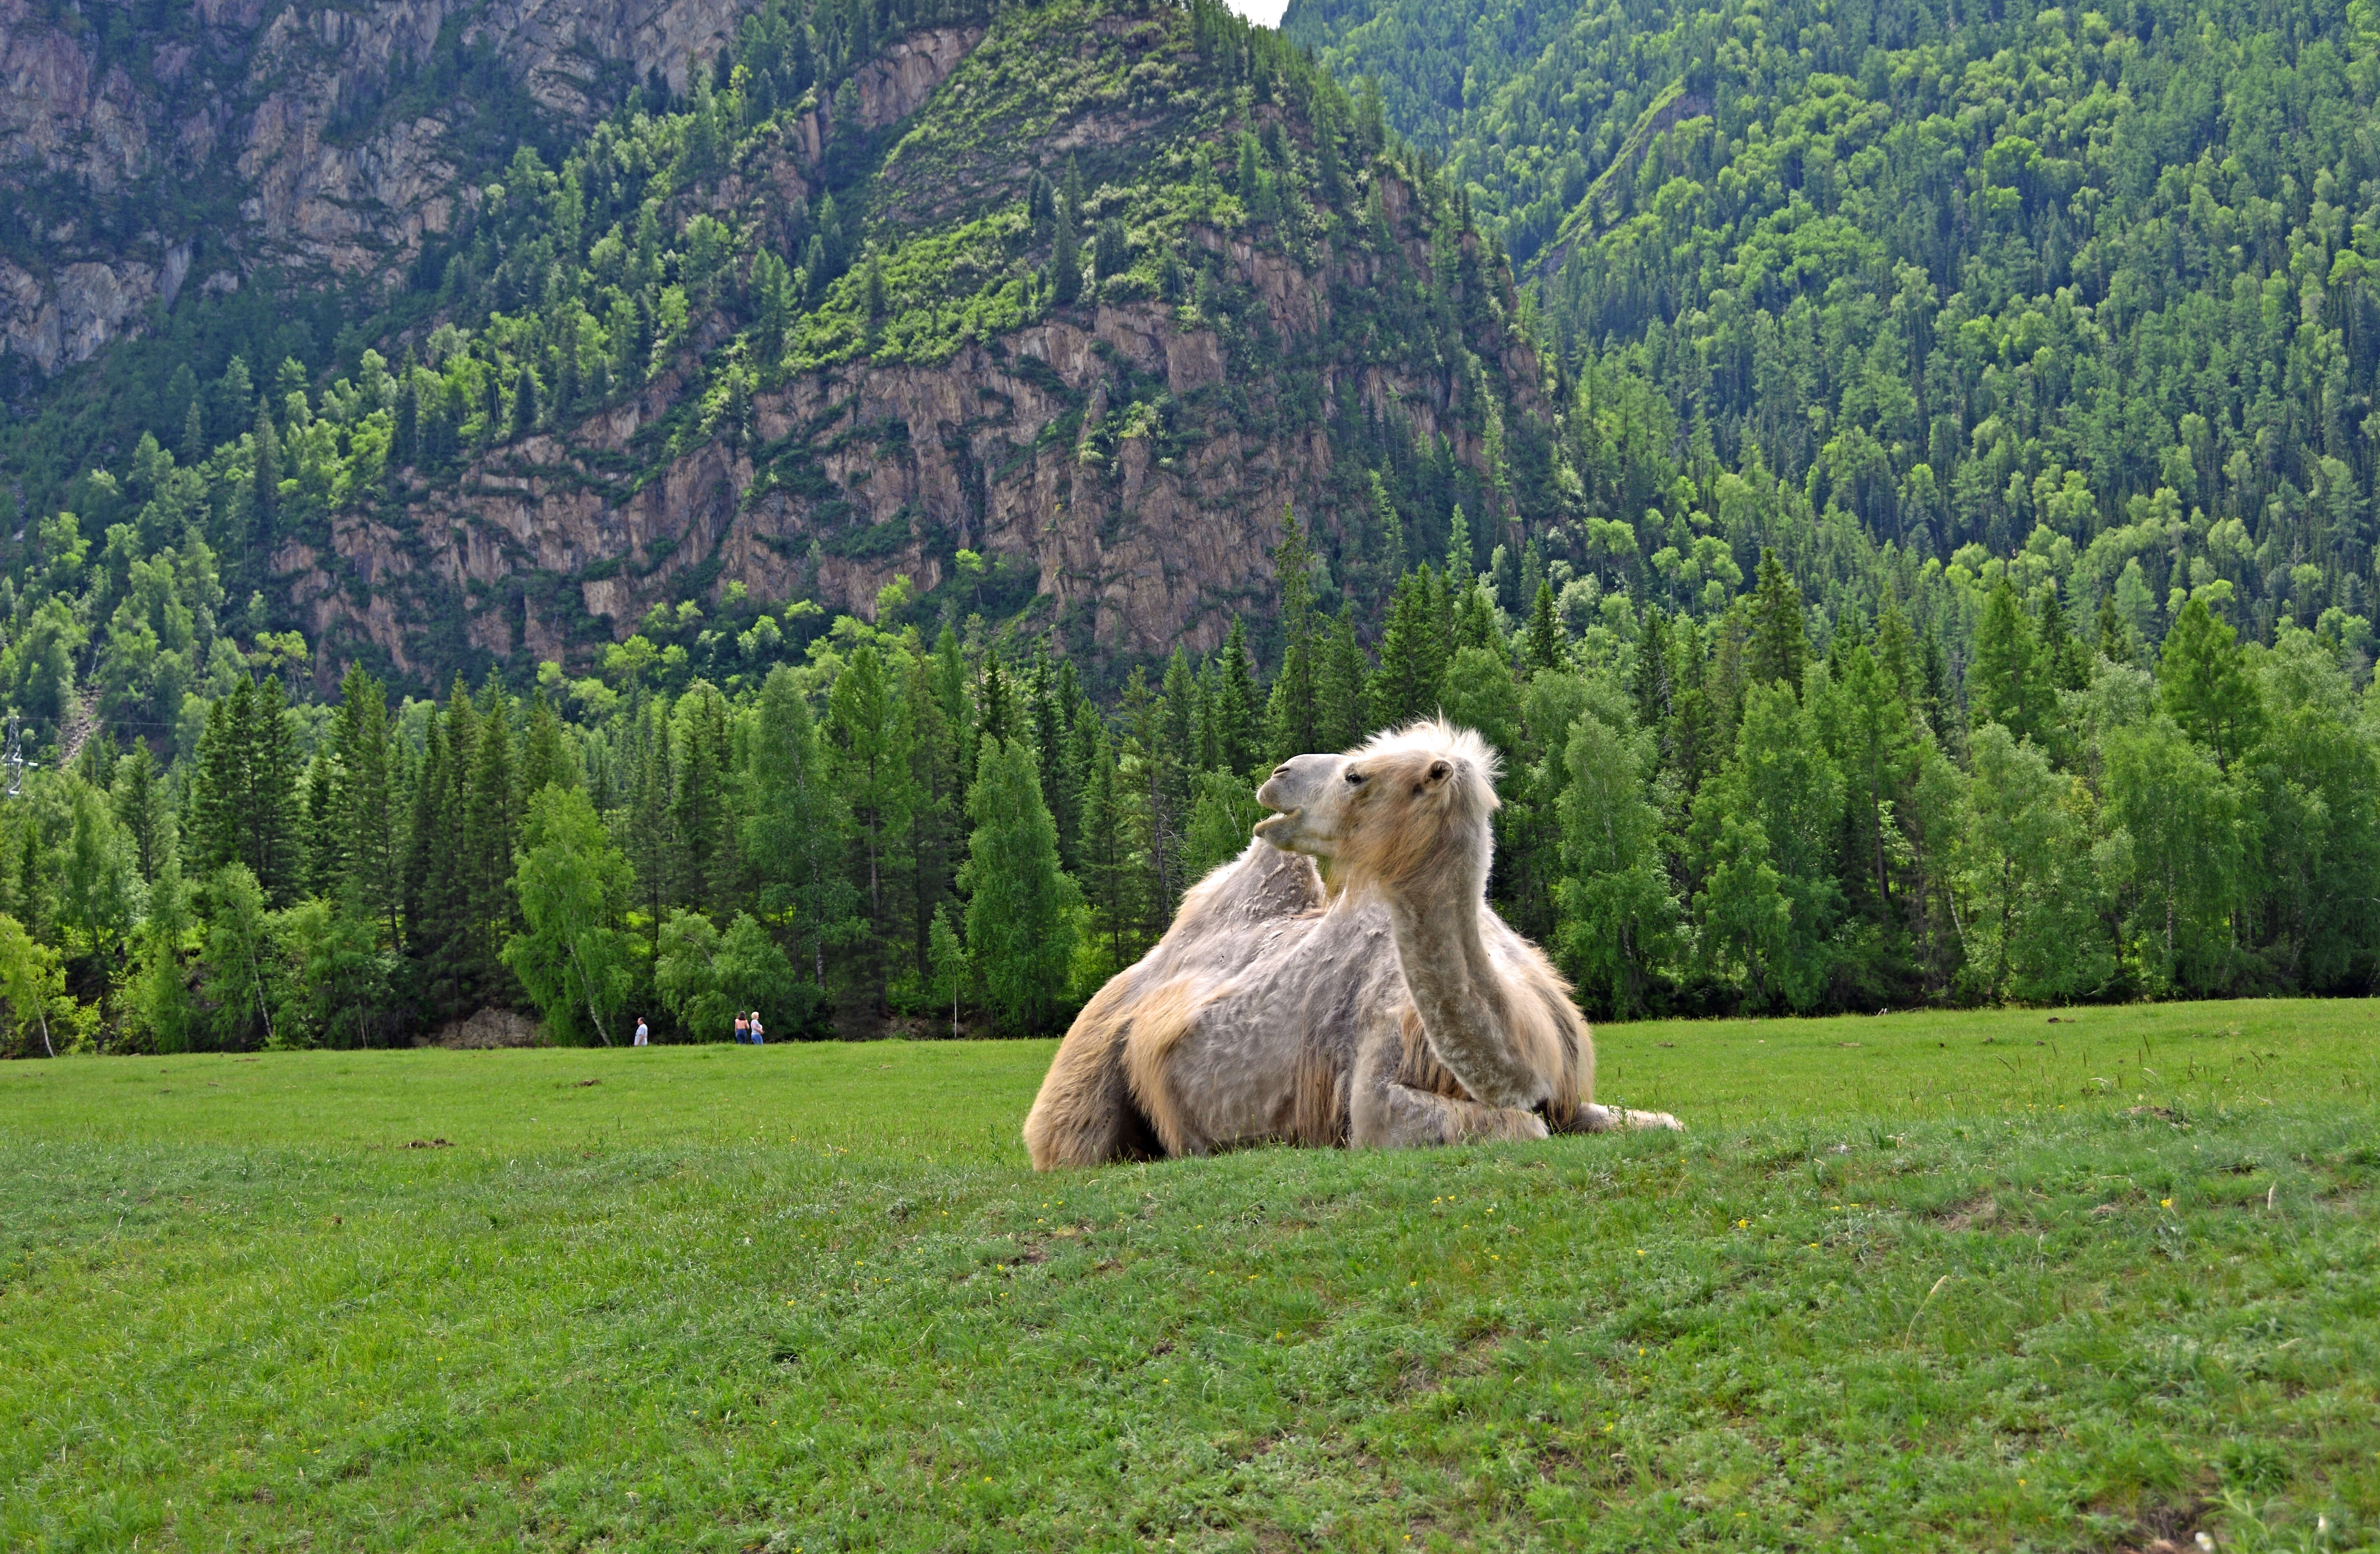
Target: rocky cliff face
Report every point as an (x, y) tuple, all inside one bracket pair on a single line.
[(829, 337), (1133, 543), (289, 119)]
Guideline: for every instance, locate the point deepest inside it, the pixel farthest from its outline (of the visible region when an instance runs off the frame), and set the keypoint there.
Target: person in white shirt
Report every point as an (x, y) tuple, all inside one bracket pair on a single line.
[(757, 1039), (643, 1036)]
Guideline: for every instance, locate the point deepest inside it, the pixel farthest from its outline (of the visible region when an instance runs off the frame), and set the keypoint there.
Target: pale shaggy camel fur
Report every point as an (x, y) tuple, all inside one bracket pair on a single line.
[(1393, 1007)]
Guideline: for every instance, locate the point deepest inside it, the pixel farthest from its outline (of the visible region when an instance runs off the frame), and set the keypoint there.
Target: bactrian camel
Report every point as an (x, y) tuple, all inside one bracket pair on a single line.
[(1389, 1006)]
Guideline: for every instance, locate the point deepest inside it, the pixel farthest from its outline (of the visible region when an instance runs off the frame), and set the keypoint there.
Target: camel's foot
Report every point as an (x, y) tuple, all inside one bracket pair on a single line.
[(1612, 1119), (1496, 1122)]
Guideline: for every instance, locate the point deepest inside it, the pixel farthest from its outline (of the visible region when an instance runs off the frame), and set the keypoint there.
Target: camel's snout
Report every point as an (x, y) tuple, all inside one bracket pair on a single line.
[(1297, 793)]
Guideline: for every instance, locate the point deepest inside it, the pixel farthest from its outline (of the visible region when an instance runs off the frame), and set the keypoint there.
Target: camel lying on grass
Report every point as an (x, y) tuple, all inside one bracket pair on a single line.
[(1393, 1007)]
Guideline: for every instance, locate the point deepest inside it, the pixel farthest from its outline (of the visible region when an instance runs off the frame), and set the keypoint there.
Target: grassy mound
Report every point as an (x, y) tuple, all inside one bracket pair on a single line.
[(1912, 1281)]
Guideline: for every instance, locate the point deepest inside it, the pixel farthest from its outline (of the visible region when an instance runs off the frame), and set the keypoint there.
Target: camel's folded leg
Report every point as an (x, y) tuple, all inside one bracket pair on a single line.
[(1384, 1114), (1612, 1118)]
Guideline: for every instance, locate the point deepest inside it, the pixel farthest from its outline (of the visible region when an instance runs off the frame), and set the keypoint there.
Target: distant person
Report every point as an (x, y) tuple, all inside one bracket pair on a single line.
[(743, 1029), (757, 1039), (644, 1036)]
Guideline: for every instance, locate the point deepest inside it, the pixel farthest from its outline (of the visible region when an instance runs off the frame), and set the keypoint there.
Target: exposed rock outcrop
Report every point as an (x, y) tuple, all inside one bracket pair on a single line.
[(1137, 548), (299, 124)]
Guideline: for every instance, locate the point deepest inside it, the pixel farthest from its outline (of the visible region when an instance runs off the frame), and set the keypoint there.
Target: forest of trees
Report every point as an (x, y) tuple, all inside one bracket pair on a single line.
[(1766, 811)]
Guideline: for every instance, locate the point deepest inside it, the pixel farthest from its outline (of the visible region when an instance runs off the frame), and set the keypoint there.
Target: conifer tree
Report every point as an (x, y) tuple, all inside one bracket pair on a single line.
[(2203, 684), (524, 403), (1340, 686), (2063, 661), (266, 482), (1652, 679), (995, 717), (652, 829), (1896, 653), (1544, 644), (546, 753), (794, 832), (1237, 746), (139, 802), (1779, 647), (246, 802), (1617, 909), (2118, 642), (1293, 717), (433, 904), (1020, 920), (365, 837), (491, 832), (2004, 684), (699, 737), (1413, 653), (868, 737)]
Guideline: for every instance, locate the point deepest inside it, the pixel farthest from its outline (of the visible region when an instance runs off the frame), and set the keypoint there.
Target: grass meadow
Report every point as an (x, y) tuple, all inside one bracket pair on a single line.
[(1955, 1281)]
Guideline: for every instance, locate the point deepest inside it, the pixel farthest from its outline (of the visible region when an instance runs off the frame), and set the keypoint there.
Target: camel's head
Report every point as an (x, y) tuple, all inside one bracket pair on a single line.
[(1392, 806)]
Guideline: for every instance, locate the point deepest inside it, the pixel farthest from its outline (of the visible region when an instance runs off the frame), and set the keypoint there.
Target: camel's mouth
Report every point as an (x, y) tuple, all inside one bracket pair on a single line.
[(1275, 822)]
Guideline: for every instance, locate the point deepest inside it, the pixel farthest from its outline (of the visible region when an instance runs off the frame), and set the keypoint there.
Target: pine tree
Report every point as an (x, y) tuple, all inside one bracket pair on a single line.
[(652, 829), (490, 834), (1462, 565), (1544, 644), (869, 739), (266, 483), (1340, 686), (365, 803), (524, 403), (1475, 621), (2005, 682), (794, 832), (1779, 649), (699, 805), (322, 851), (1412, 654), (2063, 661), (1237, 747), (1293, 718), (246, 804), (140, 803), (1933, 679), (546, 753), (995, 707), (934, 833), (2118, 642), (1020, 919), (1065, 260), (1652, 687), (2203, 685), (1105, 869), (1618, 912), (1896, 651), (434, 907)]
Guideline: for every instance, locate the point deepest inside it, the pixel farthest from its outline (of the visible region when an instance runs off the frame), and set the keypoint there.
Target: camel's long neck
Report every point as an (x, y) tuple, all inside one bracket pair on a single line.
[(1455, 988)]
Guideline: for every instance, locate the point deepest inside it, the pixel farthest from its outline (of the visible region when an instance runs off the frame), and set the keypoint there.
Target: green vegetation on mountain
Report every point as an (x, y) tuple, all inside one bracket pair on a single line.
[(2030, 277)]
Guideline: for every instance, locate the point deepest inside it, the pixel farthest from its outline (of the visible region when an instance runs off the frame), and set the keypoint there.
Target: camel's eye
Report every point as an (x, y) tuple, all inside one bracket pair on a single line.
[(1354, 778)]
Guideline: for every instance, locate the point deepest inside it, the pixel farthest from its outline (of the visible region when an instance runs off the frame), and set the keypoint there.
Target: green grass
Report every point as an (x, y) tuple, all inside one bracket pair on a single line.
[(1911, 1281)]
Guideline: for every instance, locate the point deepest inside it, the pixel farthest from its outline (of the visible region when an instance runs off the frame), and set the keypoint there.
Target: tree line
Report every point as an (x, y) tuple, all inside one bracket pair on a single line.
[(1768, 809)]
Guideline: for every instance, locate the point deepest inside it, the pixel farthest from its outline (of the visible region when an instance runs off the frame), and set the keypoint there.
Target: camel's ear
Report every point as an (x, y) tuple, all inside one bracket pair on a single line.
[(1440, 770)]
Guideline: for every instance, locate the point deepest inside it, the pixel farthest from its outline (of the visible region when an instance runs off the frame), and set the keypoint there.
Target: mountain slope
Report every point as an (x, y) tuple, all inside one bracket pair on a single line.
[(2059, 279), (1054, 314)]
